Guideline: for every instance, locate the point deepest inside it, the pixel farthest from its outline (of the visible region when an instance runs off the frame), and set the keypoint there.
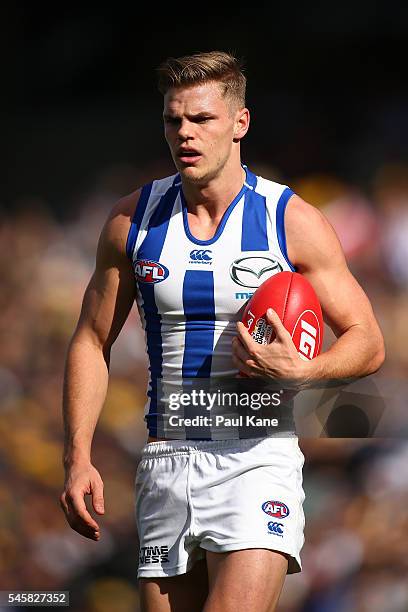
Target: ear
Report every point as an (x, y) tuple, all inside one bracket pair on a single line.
[(241, 124)]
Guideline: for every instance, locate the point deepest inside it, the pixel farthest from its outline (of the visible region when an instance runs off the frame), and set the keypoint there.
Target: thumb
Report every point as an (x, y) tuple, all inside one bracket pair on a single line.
[(274, 320)]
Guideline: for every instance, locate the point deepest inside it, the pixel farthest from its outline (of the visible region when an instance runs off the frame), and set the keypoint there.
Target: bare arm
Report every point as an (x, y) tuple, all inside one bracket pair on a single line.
[(314, 249), (106, 305)]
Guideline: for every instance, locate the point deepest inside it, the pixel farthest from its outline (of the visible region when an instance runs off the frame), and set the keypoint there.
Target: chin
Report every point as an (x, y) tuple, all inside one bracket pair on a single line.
[(193, 174)]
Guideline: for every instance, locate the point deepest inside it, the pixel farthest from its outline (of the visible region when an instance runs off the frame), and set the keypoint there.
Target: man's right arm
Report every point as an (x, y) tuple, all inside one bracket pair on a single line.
[(106, 305)]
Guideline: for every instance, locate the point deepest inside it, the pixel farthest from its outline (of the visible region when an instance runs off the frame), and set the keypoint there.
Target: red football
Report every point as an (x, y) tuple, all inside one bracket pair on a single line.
[(295, 301)]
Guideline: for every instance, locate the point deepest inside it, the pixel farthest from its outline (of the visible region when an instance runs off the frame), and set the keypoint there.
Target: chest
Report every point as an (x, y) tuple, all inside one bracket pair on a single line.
[(192, 277)]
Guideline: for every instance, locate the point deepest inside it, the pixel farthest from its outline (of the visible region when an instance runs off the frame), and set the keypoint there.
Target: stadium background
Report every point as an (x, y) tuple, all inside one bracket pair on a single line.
[(82, 127)]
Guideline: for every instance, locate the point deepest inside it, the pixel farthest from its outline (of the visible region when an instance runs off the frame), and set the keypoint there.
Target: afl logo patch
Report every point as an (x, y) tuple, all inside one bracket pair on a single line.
[(276, 509), (148, 271)]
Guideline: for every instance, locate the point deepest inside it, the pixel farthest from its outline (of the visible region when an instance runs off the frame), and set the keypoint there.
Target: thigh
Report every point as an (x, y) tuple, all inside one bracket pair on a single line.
[(184, 593), (245, 580), (252, 499)]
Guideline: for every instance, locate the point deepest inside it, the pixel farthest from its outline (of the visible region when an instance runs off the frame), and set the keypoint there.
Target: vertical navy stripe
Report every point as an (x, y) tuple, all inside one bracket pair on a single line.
[(280, 223), (151, 249), (152, 245), (199, 310), (154, 349), (137, 219), (254, 235)]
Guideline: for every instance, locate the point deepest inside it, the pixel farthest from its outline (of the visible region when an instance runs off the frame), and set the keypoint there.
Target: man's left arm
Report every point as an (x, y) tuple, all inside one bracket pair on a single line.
[(315, 251)]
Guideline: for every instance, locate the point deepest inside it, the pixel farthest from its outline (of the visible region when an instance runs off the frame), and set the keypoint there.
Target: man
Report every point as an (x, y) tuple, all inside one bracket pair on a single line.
[(204, 506)]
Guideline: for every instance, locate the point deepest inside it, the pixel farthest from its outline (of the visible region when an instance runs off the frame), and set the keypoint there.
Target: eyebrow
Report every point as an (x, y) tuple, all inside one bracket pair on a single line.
[(202, 115)]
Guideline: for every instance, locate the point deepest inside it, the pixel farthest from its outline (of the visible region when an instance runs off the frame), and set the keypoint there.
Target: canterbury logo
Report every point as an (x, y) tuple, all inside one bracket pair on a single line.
[(201, 255), (275, 527)]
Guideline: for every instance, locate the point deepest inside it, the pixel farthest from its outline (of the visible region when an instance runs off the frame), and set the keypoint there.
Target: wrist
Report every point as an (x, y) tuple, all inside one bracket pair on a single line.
[(73, 457), (307, 373)]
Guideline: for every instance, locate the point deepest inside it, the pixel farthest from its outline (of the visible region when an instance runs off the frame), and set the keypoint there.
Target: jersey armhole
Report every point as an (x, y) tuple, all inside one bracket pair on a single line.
[(137, 219), (280, 224)]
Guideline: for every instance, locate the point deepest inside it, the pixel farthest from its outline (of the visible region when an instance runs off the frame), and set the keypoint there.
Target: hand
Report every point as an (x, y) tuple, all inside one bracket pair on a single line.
[(277, 360), (83, 479)]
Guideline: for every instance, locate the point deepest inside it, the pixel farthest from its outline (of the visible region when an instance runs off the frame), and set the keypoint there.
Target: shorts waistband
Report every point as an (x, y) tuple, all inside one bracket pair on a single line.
[(180, 447)]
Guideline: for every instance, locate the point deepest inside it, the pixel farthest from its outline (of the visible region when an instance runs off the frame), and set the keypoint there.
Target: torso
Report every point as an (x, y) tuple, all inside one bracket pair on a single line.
[(190, 291)]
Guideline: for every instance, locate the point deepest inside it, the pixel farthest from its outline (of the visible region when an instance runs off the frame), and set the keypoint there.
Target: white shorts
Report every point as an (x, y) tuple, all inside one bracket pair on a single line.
[(193, 496)]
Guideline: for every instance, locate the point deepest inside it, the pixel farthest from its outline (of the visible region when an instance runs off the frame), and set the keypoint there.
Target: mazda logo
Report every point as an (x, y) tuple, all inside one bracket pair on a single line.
[(252, 271)]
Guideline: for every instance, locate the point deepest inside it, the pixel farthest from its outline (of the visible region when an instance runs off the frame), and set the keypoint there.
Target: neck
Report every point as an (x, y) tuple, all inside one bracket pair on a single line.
[(216, 195)]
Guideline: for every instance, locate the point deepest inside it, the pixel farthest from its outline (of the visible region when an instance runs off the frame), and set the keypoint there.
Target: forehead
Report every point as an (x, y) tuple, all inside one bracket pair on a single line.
[(195, 99)]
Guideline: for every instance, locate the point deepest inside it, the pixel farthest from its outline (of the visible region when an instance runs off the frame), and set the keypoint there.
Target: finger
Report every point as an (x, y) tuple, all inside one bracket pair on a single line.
[(245, 337), (97, 497), (80, 511), (239, 350), (273, 319), (248, 366), (77, 524), (75, 521), (63, 503), (240, 365)]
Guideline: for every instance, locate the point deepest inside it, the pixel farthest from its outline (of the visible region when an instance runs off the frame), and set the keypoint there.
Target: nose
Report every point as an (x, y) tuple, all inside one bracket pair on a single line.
[(185, 130)]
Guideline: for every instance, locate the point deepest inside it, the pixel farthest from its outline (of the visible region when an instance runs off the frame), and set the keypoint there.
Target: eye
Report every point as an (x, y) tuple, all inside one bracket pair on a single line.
[(172, 120)]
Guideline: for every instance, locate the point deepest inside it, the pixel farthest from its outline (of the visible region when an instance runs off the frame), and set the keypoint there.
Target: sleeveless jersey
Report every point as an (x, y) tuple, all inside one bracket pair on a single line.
[(191, 292)]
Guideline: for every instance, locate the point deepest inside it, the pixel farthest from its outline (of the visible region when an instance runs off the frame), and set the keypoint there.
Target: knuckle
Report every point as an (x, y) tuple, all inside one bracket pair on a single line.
[(70, 494)]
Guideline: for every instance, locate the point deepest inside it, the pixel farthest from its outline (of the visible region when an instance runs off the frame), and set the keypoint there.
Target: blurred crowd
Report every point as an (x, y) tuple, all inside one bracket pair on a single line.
[(354, 557)]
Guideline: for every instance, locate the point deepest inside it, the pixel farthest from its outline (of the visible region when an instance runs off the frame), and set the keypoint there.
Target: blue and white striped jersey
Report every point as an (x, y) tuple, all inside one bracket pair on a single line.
[(191, 292)]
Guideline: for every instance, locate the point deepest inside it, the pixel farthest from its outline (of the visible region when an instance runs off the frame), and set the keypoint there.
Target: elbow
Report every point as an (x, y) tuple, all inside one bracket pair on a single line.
[(378, 356)]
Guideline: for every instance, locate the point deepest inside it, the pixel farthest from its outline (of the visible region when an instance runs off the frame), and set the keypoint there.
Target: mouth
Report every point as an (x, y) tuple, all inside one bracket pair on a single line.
[(188, 156)]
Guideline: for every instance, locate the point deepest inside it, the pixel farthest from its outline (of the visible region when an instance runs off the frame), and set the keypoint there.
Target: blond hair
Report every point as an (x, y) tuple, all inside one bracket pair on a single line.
[(217, 66)]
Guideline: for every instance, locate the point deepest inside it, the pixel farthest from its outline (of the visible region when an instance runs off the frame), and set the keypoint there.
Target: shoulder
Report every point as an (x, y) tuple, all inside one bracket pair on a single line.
[(310, 236), (268, 188), (124, 209), (116, 228), (300, 214)]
